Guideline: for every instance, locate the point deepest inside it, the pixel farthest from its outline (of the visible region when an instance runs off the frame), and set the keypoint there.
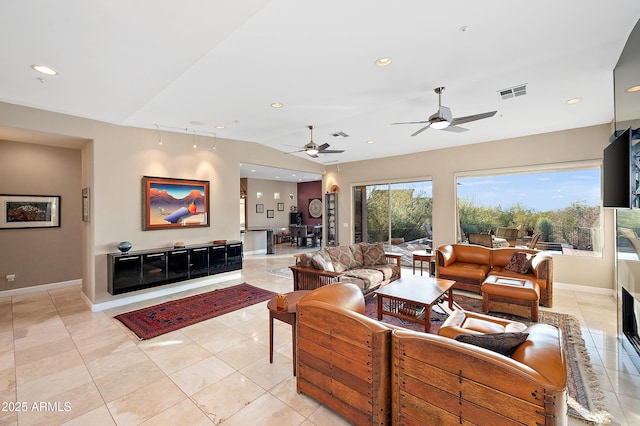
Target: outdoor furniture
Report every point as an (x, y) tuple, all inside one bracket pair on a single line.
[(509, 234), (534, 240), (480, 239)]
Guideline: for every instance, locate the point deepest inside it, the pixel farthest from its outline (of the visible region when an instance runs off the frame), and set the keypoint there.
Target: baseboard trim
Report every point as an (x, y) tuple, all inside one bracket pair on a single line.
[(39, 288), (584, 289), (212, 279)]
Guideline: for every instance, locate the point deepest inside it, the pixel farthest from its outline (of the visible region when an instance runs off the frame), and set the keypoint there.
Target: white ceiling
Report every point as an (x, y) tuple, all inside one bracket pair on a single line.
[(167, 63)]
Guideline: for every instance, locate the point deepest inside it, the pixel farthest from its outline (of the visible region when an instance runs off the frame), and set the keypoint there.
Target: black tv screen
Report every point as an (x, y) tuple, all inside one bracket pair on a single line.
[(616, 174)]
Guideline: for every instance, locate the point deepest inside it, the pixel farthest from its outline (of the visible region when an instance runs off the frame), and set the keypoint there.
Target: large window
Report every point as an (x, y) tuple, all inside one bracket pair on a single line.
[(563, 206), (398, 214)]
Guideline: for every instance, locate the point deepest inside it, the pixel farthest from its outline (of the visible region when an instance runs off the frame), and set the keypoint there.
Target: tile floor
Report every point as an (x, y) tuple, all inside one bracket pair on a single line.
[(62, 364)]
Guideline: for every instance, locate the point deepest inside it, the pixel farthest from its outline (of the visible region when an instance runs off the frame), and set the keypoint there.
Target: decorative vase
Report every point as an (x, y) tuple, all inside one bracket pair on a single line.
[(124, 246)]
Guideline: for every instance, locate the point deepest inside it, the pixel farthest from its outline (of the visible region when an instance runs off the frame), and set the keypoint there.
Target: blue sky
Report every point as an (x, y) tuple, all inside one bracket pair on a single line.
[(541, 191)]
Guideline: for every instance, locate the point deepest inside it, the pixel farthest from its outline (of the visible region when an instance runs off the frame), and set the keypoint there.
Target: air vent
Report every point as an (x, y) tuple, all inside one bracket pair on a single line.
[(340, 135), (513, 92)]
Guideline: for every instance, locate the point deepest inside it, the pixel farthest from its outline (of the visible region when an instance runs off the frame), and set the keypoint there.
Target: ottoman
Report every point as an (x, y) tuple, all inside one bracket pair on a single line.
[(515, 296)]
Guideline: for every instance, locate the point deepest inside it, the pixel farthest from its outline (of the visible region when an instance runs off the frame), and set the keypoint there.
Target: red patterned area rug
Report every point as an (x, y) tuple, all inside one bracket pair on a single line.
[(585, 399), (170, 316)]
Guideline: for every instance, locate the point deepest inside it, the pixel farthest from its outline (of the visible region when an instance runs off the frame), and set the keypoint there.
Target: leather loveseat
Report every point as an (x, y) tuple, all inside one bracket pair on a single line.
[(372, 373), (469, 265), (366, 265)]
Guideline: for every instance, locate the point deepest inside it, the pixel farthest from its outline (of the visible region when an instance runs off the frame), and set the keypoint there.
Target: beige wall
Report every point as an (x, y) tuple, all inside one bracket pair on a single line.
[(44, 255), (559, 148), (268, 188)]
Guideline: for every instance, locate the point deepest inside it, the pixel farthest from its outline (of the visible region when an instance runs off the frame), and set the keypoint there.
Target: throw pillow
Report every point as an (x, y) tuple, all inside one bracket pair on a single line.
[(320, 262), (373, 254), (503, 343), (520, 263)]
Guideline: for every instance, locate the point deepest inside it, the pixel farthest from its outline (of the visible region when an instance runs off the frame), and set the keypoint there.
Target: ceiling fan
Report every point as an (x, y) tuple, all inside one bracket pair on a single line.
[(443, 120), (312, 149)]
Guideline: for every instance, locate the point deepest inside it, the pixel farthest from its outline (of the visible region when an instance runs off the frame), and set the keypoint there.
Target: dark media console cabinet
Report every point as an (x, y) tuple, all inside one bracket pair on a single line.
[(136, 270)]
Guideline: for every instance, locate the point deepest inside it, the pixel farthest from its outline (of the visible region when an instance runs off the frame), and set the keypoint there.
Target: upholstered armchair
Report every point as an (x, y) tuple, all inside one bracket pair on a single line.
[(343, 357)]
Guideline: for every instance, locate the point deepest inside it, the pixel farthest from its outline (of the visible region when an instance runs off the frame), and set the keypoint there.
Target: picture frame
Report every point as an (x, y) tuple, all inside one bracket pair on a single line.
[(269, 214), (174, 203), (30, 211), (280, 207), (85, 204), (259, 208)]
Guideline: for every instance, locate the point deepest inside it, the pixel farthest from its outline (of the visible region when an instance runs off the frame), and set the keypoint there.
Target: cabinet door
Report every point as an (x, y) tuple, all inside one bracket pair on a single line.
[(217, 259), (234, 256), (126, 275), (154, 269), (177, 265), (198, 262)]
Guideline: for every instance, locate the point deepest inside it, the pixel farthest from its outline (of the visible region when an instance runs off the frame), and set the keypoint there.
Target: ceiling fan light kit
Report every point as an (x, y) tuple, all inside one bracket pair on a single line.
[(312, 149), (443, 119)]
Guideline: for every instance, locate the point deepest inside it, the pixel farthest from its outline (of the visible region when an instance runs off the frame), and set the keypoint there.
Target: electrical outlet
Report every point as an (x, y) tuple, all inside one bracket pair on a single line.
[(11, 277)]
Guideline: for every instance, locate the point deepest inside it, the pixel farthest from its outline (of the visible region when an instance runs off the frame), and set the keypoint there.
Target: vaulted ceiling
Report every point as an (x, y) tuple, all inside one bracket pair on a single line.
[(214, 67)]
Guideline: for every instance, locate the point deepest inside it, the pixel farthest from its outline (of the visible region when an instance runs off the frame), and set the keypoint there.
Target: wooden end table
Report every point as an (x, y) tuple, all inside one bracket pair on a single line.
[(411, 298), (285, 315), (422, 256)]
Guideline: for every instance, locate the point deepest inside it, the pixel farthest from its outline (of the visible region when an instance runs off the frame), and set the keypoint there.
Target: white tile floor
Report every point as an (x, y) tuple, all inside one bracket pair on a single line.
[(62, 364)]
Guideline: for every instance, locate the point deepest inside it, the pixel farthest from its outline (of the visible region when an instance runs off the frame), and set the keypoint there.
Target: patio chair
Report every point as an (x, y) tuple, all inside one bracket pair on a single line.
[(509, 234), (534, 240), (480, 239)]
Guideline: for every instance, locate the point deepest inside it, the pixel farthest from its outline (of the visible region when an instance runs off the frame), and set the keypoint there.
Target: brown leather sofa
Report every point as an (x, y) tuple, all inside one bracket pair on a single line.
[(469, 265), (372, 373)]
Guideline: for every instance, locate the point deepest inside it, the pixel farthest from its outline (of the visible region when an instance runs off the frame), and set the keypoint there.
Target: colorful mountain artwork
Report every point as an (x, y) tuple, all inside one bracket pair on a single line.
[(176, 204)]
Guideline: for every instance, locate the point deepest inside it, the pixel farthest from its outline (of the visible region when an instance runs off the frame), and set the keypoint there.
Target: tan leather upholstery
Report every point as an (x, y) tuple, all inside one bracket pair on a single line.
[(464, 322), (469, 265), (345, 360), (343, 357), (438, 380)]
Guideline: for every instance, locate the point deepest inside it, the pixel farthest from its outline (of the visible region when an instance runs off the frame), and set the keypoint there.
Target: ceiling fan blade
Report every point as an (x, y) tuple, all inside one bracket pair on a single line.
[(455, 129), (469, 118), (421, 130), (411, 122), (331, 151), (293, 152), (323, 147)]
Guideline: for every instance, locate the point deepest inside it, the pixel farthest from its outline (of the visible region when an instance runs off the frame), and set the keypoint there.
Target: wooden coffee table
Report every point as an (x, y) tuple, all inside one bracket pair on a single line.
[(411, 298)]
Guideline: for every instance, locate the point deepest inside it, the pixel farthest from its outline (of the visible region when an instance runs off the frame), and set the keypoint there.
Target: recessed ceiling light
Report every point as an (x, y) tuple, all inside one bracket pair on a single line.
[(464, 29), (277, 105), (44, 69), (574, 101), (219, 127), (371, 142), (633, 89), (383, 62)]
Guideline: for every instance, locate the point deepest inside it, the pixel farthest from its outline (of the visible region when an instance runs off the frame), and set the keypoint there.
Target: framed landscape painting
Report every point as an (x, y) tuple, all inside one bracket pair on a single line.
[(29, 211), (174, 203)]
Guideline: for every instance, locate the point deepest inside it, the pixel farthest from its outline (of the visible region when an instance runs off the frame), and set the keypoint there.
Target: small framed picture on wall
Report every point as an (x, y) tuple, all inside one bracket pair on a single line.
[(280, 207), (259, 208), (270, 214)]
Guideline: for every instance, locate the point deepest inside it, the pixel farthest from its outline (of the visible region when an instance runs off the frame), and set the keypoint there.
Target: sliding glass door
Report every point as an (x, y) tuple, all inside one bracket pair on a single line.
[(393, 213)]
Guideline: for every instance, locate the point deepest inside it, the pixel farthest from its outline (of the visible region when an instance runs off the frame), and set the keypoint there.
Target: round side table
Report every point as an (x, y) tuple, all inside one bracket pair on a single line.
[(285, 315)]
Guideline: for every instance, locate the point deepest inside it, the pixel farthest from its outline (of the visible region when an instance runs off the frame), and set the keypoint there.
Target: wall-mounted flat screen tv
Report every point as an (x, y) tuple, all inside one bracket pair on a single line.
[(617, 177)]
